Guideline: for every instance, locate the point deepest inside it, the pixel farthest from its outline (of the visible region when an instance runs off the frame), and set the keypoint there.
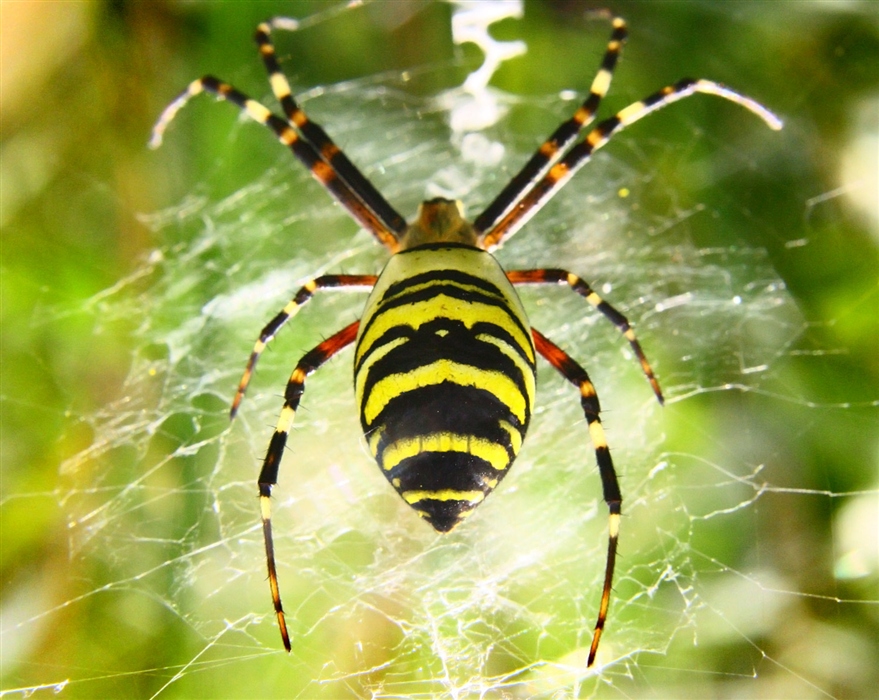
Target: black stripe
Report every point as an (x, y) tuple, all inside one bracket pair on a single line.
[(604, 129), (609, 61), (609, 483), (443, 515), (389, 336), (442, 275), (398, 332), (439, 246), (390, 301), (435, 289), (446, 408), (269, 472), (459, 345), (484, 328), (430, 328), (435, 471)]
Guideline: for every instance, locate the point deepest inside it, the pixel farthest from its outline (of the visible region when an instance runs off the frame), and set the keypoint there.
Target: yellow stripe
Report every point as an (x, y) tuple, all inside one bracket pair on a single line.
[(593, 299), (601, 83), (491, 452), (633, 111), (508, 350), (587, 390), (446, 283), (596, 432), (441, 306), (363, 372), (256, 111), (265, 508), (515, 436), (285, 420), (438, 372), (279, 84), (614, 526), (373, 440), (194, 88), (472, 497)]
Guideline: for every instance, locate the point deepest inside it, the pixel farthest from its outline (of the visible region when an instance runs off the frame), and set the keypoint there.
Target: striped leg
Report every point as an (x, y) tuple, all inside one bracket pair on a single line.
[(529, 204), (268, 477), (555, 276), (317, 137), (322, 171), (562, 137), (575, 374), (302, 296)]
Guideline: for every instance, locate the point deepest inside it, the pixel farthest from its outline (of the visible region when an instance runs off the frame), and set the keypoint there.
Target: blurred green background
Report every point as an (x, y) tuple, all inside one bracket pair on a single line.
[(82, 84)]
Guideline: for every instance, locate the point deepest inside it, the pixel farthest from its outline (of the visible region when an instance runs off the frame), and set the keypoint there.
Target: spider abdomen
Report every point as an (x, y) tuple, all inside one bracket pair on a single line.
[(444, 374)]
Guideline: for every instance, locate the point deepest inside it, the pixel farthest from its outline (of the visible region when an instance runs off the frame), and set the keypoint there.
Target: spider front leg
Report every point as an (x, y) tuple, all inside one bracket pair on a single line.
[(289, 311), (315, 134), (268, 477), (579, 285), (321, 169), (575, 374), (531, 202), (551, 149)]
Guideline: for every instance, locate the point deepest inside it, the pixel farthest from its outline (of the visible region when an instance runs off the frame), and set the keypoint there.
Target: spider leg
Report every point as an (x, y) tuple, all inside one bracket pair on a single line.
[(289, 311), (322, 171), (575, 374), (318, 138), (555, 276), (268, 476), (530, 203), (563, 136)]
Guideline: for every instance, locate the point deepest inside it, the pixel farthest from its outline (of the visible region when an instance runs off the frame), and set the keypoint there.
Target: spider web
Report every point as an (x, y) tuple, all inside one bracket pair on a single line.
[(163, 503)]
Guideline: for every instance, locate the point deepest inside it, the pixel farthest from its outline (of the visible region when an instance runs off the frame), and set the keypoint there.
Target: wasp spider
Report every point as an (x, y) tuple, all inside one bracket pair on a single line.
[(444, 355)]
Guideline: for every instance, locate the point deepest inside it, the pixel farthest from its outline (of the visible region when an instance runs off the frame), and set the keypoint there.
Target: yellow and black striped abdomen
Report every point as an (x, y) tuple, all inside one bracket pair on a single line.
[(444, 377)]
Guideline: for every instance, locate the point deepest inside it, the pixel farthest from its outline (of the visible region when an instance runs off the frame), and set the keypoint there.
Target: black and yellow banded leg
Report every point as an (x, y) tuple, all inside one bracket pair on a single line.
[(268, 477), (579, 285), (322, 171), (319, 138), (575, 374), (562, 137), (365, 282), (559, 174)]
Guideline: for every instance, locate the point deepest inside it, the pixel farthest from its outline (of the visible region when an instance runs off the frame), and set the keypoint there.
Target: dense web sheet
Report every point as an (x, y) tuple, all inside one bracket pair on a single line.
[(164, 499)]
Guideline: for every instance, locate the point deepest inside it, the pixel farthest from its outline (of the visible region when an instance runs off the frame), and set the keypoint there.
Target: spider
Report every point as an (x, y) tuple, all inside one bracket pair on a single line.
[(444, 356)]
